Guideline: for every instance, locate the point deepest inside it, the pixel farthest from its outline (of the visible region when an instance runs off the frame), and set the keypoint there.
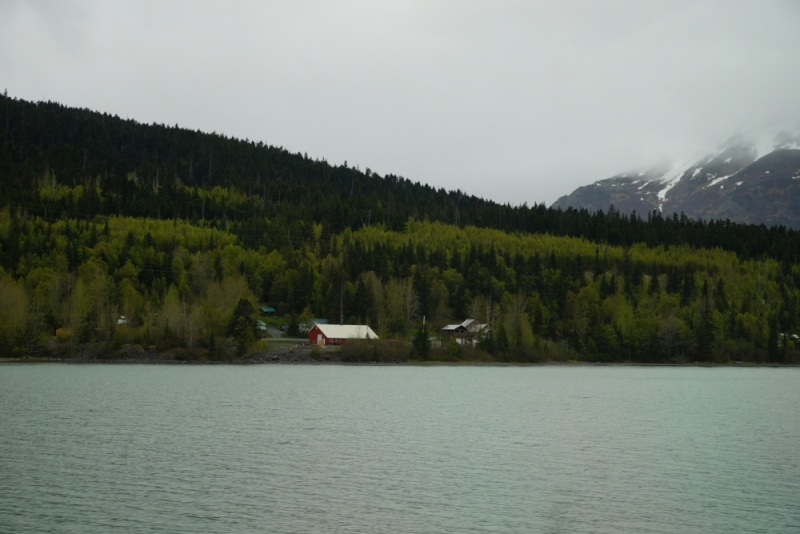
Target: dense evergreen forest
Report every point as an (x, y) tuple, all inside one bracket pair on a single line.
[(186, 234)]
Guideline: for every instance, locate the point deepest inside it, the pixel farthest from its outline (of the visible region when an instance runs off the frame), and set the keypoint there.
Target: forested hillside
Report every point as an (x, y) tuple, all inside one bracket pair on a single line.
[(65, 162), (181, 284), (186, 234)]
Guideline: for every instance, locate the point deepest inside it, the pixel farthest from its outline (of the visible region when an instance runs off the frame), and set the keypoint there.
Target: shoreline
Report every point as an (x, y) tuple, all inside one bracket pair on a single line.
[(294, 352), (409, 363)]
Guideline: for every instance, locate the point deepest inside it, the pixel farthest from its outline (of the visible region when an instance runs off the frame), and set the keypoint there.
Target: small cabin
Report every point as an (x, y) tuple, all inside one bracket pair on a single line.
[(267, 310)]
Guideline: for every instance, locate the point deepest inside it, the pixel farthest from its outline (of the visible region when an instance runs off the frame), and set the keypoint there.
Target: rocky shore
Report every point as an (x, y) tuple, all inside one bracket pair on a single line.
[(102, 353), (298, 353)]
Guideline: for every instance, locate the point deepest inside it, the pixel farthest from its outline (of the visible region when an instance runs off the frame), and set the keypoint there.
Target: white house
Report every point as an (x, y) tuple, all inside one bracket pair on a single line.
[(465, 332)]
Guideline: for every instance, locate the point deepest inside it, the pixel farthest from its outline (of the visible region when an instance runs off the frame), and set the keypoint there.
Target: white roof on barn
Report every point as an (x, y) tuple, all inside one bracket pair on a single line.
[(347, 331)]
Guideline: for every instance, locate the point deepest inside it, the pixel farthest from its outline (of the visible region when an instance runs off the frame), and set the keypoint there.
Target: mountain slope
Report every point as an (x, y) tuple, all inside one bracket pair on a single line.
[(156, 170), (732, 183), (66, 163)]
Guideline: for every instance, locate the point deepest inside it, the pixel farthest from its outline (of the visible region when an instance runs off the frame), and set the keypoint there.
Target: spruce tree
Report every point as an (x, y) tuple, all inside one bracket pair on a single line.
[(242, 325), (294, 327), (655, 287), (706, 327), (772, 340), (422, 345)]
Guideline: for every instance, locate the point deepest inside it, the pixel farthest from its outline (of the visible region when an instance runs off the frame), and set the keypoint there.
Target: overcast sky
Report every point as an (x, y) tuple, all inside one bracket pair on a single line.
[(514, 101)]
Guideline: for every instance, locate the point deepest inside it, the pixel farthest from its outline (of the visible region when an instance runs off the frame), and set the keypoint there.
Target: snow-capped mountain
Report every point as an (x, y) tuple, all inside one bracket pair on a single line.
[(752, 181)]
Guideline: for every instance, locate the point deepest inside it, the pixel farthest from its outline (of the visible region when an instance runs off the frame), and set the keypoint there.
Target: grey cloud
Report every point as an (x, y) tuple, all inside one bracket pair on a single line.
[(516, 101)]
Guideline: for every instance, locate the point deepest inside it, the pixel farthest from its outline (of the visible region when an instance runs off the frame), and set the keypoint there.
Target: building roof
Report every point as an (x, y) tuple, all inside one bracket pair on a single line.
[(470, 325), (267, 309), (307, 326), (466, 324), (347, 331)]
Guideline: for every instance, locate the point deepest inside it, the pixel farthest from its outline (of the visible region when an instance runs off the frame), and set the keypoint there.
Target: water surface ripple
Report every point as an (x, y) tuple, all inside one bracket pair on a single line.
[(186, 449)]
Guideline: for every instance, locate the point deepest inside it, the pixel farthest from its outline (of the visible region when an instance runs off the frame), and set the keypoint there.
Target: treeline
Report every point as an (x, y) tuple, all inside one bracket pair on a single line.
[(198, 286), (58, 162), (185, 234)]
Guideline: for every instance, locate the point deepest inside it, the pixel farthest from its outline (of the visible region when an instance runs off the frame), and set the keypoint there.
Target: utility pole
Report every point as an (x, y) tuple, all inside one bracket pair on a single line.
[(341, 302), (5, 94)]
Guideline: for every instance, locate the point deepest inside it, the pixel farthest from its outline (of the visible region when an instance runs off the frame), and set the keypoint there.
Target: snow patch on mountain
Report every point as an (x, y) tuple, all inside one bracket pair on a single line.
[(715, 181), (670, 180), (701, 187)]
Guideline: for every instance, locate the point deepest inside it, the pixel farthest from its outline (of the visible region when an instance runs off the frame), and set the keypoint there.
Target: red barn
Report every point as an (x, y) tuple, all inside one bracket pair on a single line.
[(336, 334)]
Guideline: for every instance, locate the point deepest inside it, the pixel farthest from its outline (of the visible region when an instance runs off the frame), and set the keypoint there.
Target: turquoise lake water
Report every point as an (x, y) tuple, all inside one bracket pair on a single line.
[(285, 448)]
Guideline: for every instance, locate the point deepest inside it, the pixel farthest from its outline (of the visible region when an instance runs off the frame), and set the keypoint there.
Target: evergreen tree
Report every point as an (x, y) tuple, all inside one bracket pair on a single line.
[(687, 288), (719, 296), (673, 280), (242, 325), (422, 344), (655, 287), (706, 329), (773, 354), (294, 327), (423, 289)]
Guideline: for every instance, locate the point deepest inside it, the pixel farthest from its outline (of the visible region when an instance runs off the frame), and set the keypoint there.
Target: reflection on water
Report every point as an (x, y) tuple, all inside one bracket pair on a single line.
[(176, 449)]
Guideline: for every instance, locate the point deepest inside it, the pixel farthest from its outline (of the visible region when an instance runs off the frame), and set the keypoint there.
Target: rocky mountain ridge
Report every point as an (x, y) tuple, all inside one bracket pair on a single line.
[(744, 180)]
